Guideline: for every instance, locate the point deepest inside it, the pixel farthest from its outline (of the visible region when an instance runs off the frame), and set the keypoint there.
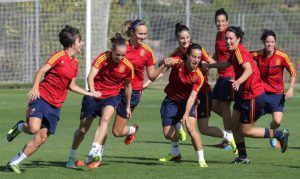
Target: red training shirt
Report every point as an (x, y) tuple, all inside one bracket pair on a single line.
[(54, 87), (111, 75), (253, 86), (271, 69)]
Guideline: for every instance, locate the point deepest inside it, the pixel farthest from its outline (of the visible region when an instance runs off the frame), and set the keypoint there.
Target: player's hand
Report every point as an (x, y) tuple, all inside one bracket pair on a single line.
[(96, 94), (289, 94), (168, 62), (128, 113), (184, 118), (33, 94), (235, 84), (146, 84)]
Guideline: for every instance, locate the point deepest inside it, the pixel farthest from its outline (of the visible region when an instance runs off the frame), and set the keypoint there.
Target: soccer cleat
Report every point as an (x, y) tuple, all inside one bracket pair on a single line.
[(79, 163), (171, 157), (181, 134), (13, 168), (228, 148), (130, 138), (284, 140), (240, 160), (273, 142), (202, 164), (95, 162), (71, 163), (13, 132), (223, 144)]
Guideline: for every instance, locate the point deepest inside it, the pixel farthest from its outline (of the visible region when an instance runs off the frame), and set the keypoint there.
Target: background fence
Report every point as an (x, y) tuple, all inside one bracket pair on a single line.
[(29, 28)]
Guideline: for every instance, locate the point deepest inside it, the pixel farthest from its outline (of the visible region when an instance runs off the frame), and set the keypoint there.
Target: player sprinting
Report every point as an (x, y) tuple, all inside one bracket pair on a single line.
[(46, 97), (271, 63), (223, 93), (179, 105), (110, 70), (251, 100)]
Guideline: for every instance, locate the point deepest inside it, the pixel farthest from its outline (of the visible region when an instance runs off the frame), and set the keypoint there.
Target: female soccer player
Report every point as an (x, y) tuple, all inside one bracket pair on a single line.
[(46, 97), (179, 105), (271, 63), (141, 56), (223, 93), (110, 70), (250, 103)]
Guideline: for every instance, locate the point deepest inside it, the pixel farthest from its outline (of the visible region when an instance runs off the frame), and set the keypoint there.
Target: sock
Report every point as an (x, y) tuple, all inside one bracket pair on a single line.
[(178, 126), (18, 158), (175, 148), (20, 127), (73, 153), (227, 136), (200, 155), (242, 150), (131, 130), (267, 133), (278, 134), (94, 148), (100, 150)]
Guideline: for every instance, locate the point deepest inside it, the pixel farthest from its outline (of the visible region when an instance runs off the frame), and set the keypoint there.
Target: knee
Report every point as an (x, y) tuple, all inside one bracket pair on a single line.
[(83, 130), (105, 120), (246, 132), (191, 130), (33, 129), (203, 130), (43, 140)]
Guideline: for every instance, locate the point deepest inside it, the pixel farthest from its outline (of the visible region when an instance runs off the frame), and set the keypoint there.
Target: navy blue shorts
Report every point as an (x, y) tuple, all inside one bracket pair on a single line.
[(275, 103), (223, 90), (251, 109), (49, 114), (172, 111), (204, 106), (135, 99), (92, 107)]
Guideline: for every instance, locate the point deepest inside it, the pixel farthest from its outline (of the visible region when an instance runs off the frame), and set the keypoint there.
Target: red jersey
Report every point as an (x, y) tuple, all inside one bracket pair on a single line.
[(222, 55), (182, 81), (111, 75), (54, 87), (271, 69), (140, 57), (253, 86), (177, 53)]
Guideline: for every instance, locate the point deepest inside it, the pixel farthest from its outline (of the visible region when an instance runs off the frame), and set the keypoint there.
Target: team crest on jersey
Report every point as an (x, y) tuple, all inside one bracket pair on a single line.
[(277, 62), (194, 78), (122, 68), (142, 52)]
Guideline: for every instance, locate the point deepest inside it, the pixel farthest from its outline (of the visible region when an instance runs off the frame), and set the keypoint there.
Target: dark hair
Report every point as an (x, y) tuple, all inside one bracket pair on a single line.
[(221, 11), (179, 28), (237, 31), (68, 35), (130, 26), (190, 48), (117, 40), (267, 33)]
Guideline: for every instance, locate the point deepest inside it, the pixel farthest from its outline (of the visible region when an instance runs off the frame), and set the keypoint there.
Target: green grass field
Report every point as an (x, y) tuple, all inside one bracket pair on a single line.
[(140, 159)]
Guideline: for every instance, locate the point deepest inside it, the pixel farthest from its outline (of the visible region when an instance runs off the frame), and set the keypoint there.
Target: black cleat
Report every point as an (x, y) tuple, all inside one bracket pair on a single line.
[(240, 160), (284, 140), (13, 132)]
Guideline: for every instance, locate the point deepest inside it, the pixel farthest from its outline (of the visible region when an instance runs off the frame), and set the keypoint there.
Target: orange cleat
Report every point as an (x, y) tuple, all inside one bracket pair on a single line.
[(130, 138)]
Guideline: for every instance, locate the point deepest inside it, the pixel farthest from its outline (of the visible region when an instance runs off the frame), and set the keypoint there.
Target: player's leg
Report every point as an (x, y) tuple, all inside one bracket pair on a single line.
[(196, 140), (31, 147)]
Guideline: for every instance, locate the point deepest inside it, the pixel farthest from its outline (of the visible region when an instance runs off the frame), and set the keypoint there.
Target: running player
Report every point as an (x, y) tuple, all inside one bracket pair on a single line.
[(223, 93), (250, 103), (109, 71), (179, 105), (46, 97), (271, 63)]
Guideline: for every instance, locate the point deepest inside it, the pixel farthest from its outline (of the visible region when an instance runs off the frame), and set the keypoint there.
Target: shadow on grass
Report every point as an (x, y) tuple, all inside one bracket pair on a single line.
[(46, 164)]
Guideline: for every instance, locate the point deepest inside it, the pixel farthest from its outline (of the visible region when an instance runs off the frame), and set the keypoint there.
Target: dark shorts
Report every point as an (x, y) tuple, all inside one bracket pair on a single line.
[(275, 103), (92, 107), (172, 111), (204, 106), (49, 114), (223, 90), (135, 99), (250, 109)]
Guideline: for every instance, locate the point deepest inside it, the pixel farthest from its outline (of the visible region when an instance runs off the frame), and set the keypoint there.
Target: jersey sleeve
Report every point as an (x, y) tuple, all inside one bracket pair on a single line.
[(242, 57), (76, 65), (99, 61), (287, 63), (55, 58), (150, 59), (199, 81), (205, 55), (130, 73)]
